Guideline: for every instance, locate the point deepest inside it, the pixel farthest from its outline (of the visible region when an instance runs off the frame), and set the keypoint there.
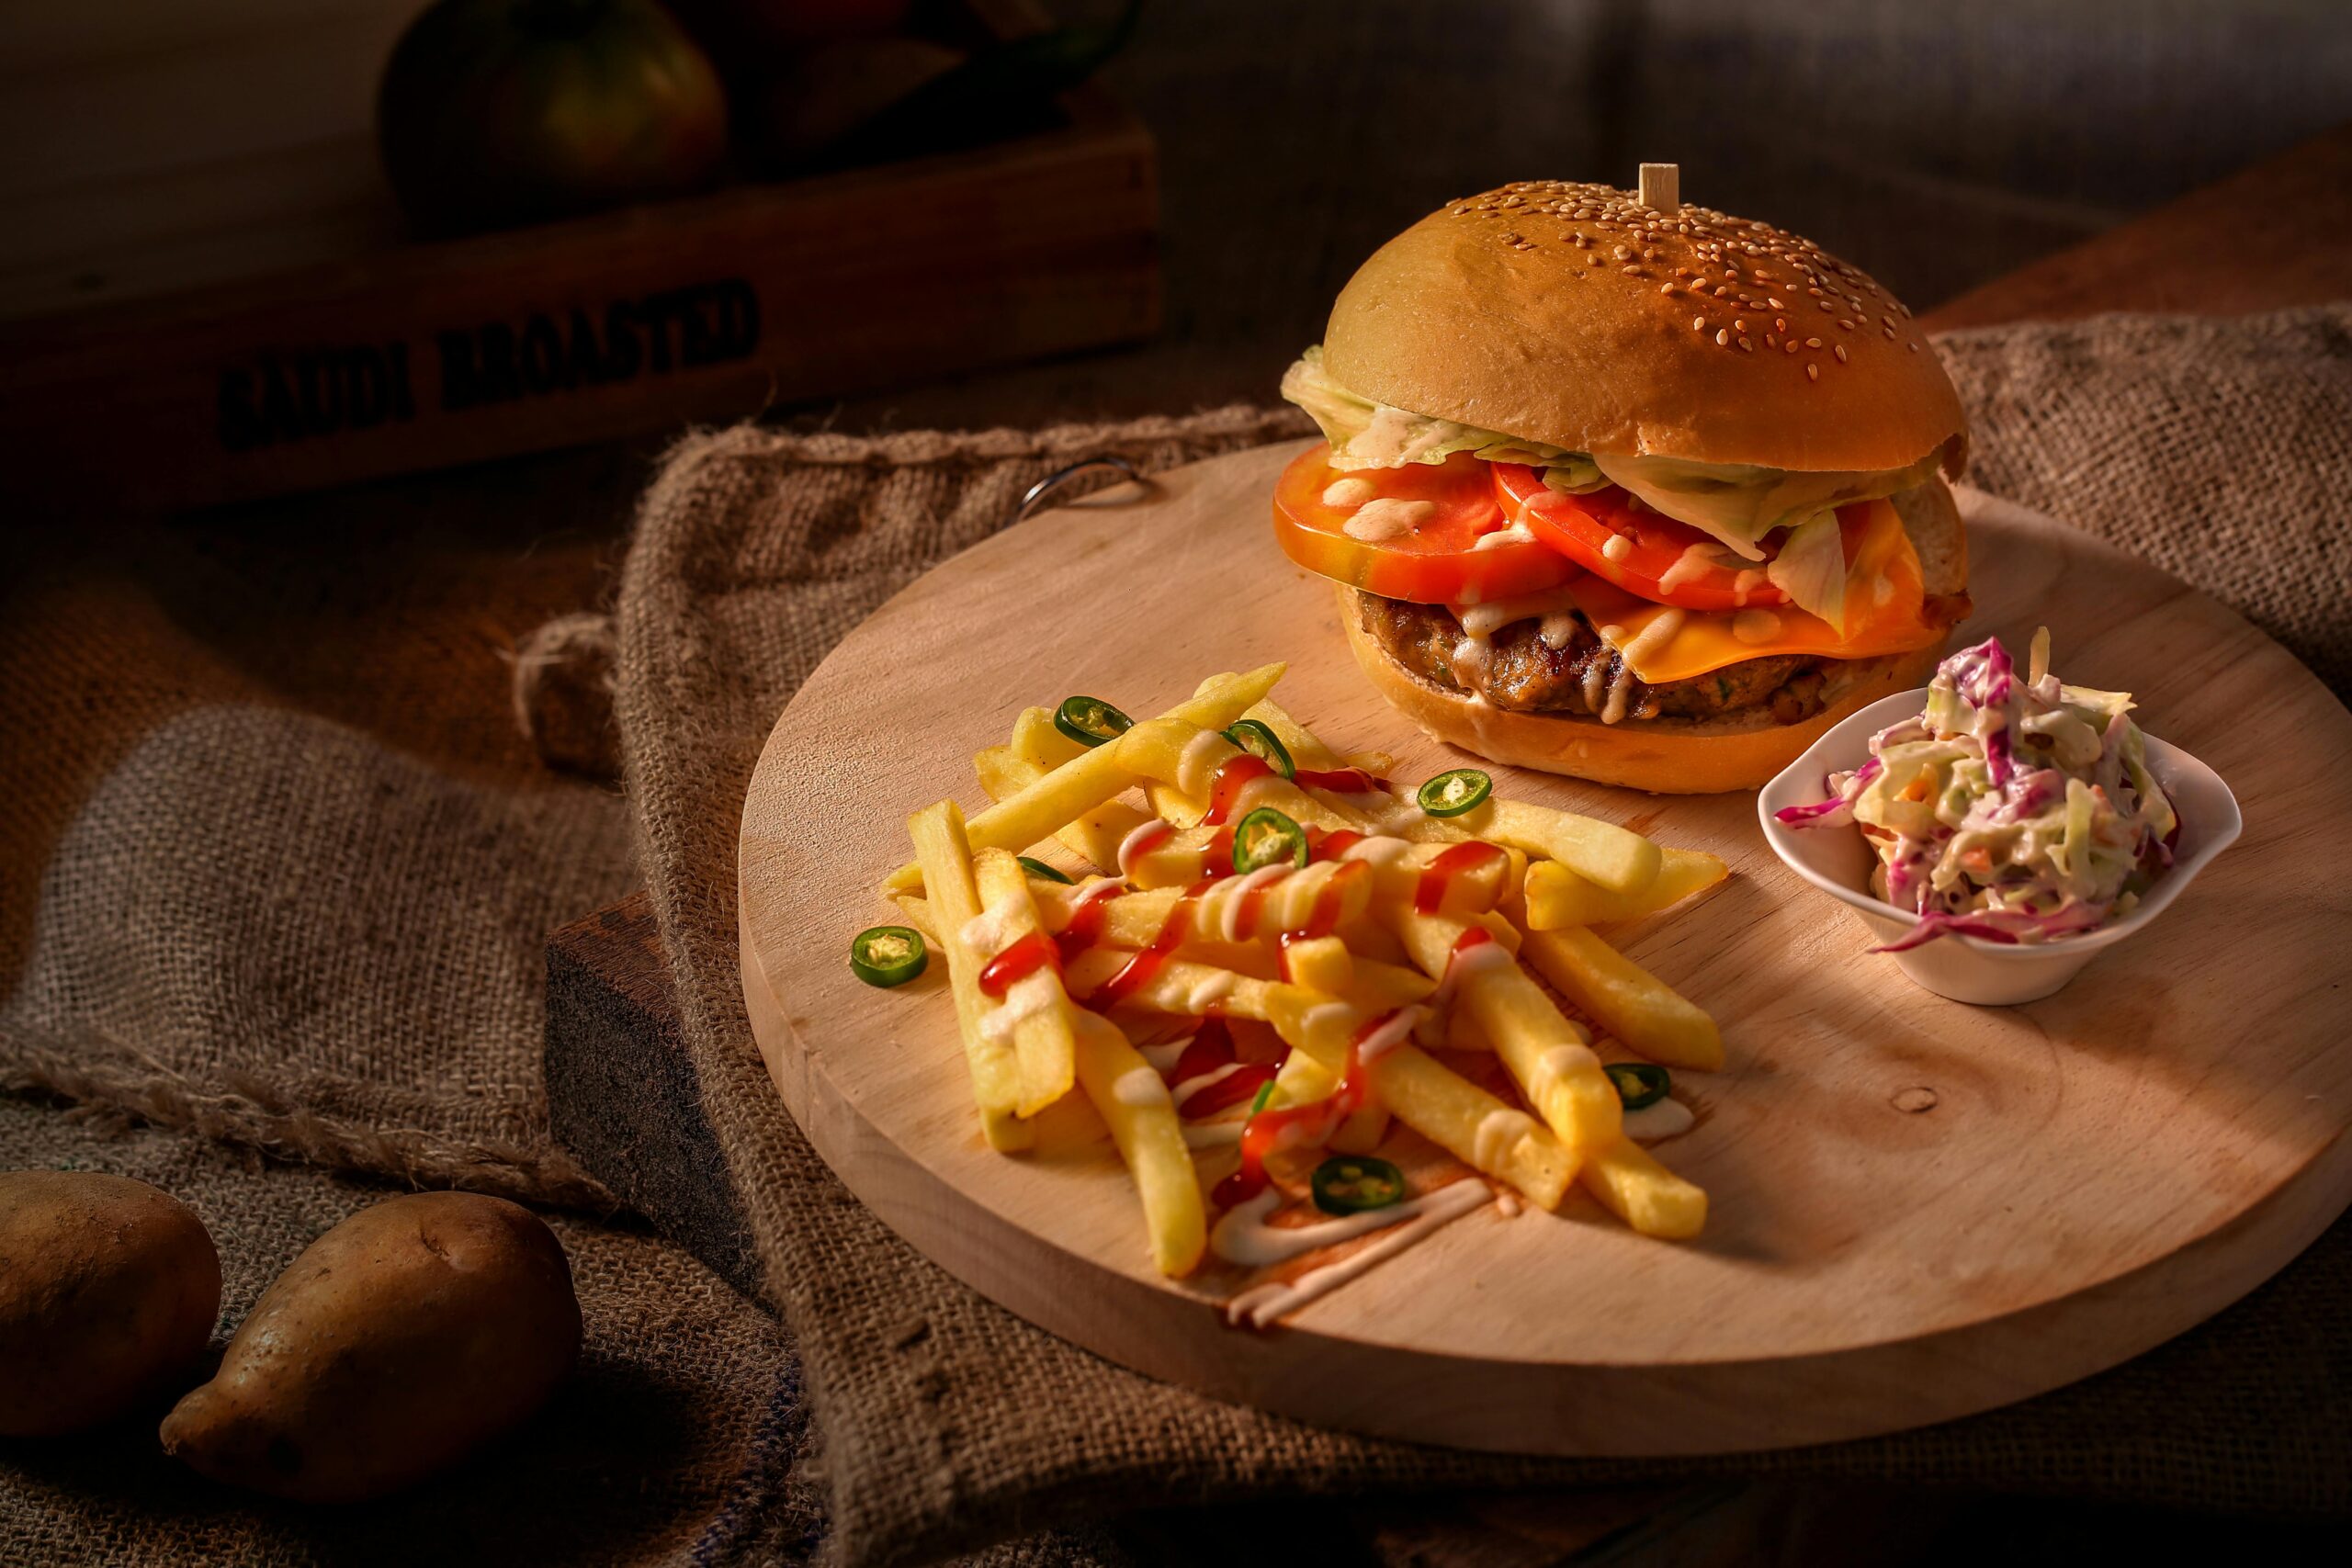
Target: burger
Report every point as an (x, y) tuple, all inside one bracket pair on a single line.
[(1628, 489)]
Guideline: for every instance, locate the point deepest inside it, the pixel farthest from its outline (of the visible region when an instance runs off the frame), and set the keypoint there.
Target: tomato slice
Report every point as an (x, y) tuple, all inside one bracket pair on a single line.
[(1436, 561), (1660, 559)]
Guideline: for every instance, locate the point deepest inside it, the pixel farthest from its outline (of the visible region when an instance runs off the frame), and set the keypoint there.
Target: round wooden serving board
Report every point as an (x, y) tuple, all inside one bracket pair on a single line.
[(2095, 1172)]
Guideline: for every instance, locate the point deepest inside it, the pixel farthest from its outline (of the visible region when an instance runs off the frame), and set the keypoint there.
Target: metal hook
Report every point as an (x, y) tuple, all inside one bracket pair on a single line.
[(1053, 482)]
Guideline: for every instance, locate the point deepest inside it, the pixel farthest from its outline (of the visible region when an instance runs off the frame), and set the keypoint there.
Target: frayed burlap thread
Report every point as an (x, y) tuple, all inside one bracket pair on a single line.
[(947, 1422)]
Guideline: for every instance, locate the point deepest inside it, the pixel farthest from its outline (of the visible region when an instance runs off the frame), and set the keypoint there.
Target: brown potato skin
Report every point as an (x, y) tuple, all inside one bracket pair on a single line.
[(109, 1287), (398, 1341)]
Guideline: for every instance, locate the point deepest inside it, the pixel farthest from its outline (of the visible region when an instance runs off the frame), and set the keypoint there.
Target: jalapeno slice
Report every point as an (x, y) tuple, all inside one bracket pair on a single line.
[(1266, 838), (1349, 1184), (1259, 741), (1639, 1083), (1454, 792), (1091, 721), (887, 956), (1036, 867)]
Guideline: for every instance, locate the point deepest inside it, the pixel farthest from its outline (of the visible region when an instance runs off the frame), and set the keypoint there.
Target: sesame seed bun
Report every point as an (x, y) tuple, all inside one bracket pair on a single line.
[(1736, 751), (1572, 314)]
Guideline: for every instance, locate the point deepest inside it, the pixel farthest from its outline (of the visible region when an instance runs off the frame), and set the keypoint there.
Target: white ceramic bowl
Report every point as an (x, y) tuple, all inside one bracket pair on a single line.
[(1967, 968)]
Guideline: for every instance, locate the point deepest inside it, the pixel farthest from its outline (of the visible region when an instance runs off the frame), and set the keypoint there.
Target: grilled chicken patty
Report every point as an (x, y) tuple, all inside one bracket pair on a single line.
[(1522, 672)]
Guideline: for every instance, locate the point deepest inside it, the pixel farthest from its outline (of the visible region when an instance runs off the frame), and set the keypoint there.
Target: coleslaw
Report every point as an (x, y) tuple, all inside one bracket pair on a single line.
[(2013, 809)]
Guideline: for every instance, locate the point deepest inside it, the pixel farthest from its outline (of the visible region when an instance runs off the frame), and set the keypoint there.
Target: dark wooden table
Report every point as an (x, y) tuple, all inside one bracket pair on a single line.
[(2276, 235)]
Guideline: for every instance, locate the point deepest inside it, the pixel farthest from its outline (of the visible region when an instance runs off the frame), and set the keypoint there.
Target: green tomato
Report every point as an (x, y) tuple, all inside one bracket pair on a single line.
[(494, 112)]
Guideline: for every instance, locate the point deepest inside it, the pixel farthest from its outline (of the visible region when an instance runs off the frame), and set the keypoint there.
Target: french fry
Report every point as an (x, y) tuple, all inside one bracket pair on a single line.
[(1616, 858), (1549, 1056), (1323, 965), (1626, 999), (1178, 986), (1041, 1042), (1188, 755), (1305, 747), (1644, 1193), (1557, 897), (1431, 1099), (1039, 809), (1133, 1099), (1037, 743), (943, 852), (1290, 903), (1093, 836)]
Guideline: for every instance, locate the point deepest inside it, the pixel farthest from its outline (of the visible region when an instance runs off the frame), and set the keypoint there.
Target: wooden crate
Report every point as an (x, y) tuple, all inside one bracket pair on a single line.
[(366, 357)]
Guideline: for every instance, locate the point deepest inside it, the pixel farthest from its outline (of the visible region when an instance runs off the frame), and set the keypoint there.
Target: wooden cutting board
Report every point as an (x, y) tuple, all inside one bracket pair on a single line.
[(1918, 1209)]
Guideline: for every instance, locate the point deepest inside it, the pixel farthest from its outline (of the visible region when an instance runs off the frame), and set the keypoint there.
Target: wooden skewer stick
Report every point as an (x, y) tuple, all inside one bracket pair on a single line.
[(1659, 183)]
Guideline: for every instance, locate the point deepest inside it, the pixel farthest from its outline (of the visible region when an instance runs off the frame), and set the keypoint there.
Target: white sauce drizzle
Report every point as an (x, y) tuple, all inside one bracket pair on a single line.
[(1617, 548), (1483, 620), (1882, 590), (1658, 1121), (1140, 1087), (1193, 1085), (1164, 1058), (1469, 659), (1596, 676), (991, 931), (1219, 911), (1199, 760), (1557, 1063), (1348, 491), (1139, 839), (1422, 1216), (1326, 1016), (1459, 966), (1756, 625), (1620, 687), (1745, 584), (1558, 630), (1208, 990), (1387, 517), (1696, 560), (1379, 849), (1499, 1133), (1390, 1034), (1507, 1204), (1516, 534), (1654, 636), (1025, 999)]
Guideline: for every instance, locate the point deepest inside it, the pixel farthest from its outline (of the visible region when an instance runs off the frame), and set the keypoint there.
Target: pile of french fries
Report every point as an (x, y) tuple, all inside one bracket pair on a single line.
[(1557, 875)]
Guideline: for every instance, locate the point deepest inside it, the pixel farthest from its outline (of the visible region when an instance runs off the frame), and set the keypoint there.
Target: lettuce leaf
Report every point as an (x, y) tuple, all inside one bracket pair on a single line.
[(1739, 503), (1811, 568), (1366, 435)]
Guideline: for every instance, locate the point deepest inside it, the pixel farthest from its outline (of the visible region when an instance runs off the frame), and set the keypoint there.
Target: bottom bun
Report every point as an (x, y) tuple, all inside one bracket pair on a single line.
[(1664, 756)]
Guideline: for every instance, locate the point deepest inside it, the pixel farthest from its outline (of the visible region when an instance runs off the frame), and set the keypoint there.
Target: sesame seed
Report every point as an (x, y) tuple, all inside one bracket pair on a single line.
[(1914, 347), (1825, 305), (1841, 354), (1813, 372), (1723, 338), (1776, 304), (1813, 342), (1845, 325), (1746, 346), (1772, 342), (1780, 323), (1738, 325), (1789, 347)]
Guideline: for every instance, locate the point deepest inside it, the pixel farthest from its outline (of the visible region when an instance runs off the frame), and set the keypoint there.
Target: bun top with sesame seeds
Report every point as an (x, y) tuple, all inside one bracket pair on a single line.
[(1574, 315)]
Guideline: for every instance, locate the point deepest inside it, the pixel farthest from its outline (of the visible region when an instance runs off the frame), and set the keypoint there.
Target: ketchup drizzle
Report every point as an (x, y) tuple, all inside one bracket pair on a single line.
[(1233, 775), (1017, 962), (1315, 1123), (1429, 893)]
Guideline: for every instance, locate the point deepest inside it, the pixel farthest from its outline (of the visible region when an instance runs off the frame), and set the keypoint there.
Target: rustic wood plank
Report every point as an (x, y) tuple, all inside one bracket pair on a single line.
[(2275, 235)]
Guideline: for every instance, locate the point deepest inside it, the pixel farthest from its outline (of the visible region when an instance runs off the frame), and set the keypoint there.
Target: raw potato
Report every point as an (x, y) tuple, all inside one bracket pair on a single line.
[(108, 1287), (399, 1340)]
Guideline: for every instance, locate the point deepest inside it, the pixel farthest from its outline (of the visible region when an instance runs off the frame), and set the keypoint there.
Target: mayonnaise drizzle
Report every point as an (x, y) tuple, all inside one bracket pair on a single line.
[(991, 931), (1499, 1133), (1387, 517), (1756, 625), (1349, 491), (1392, 1034), (1556, 1065), (1422, 1216), (1658, 1121), (1198, 762), (1164, 1057), (1025, 999), (1209, 990), (1195, 1084), (1139, 840)]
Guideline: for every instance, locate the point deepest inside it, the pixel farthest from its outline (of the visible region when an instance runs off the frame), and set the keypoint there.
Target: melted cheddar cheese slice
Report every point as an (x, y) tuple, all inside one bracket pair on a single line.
[(1883, 600)]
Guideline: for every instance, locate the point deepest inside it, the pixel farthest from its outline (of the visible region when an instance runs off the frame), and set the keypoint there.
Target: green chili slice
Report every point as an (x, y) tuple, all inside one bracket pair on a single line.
[(1454, 792), (1091, 721), (1036, 867), (1266, 838), (1259, 741), (1265, 1093), (887, 956), (1639, 1083), (1349, 1184)]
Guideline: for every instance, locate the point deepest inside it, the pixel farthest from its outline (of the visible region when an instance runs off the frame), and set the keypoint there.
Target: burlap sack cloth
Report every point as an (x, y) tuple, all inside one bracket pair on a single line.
[(2222, 450)]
